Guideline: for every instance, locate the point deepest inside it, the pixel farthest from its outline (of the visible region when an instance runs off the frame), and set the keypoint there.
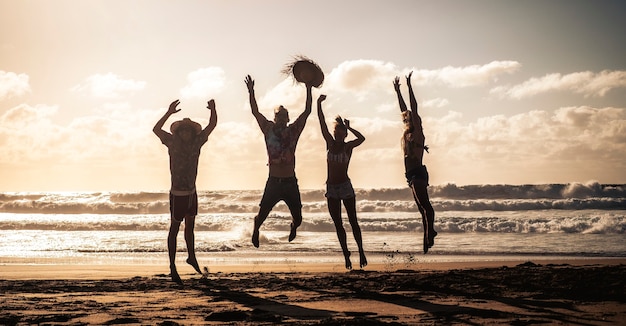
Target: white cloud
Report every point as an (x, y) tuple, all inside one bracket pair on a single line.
[(364, 77), (12, 84), (586, 83), (25, 116), (474, 75), (204, 83), (108, 85), (435, 103), (286, 93), (361, 76)]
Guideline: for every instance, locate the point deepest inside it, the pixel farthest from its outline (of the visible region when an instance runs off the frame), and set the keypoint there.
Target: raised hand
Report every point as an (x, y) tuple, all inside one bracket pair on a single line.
[(408, 79), (250, 83), (396, 84), (172, 109), (346, 122), (211, 105), (321, 98)]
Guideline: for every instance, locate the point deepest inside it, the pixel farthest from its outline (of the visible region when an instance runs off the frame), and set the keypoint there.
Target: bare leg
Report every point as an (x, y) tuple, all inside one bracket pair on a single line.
[(350, 205), (420, 194), (296, 215), (334, 208), (190, 241), (171, 249), (258, 221)]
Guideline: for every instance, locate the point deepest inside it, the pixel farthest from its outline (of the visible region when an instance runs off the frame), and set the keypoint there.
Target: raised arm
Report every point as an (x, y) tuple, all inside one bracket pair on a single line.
[(396, 86), (158, 127), (320, 114), (359, 137), (212, 121), (417, 120), (309, 103), (412, 99), (260, 118)]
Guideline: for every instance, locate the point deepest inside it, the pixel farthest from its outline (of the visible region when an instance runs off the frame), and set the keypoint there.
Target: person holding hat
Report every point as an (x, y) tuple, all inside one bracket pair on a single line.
[(338, 185), (413, 147), (183, 144), (280, 141)]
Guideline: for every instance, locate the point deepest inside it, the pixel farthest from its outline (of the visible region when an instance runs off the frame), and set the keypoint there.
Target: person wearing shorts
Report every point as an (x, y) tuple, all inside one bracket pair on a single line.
[(413, 147), (281, 140), (183, 144), (338, 185)]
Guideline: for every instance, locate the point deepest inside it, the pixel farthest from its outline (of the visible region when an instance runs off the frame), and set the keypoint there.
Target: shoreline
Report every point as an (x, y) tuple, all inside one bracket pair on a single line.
[(584, 292), (89, 271)]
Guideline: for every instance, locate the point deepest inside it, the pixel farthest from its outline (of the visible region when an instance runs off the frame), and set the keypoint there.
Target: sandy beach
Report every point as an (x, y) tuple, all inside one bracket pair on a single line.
[(584, 292)]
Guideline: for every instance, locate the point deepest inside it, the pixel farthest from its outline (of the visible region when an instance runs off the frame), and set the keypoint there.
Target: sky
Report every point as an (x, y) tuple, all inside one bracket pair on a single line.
[(510, 92)]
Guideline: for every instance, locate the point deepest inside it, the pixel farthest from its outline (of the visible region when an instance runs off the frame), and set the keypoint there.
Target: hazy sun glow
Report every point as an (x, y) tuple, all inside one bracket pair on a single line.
[(510, 92)]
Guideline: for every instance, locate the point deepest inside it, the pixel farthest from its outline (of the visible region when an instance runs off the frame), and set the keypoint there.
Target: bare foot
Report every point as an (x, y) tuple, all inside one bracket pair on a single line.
[(194, 263), (431, 238), (174, 274), (255, 238), (348, 262), (363, 260), (292, 234)]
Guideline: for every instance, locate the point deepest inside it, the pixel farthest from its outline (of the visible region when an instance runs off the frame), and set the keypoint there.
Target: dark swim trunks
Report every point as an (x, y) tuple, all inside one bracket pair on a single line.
[(181, 206), (286, 189), (419, 173)]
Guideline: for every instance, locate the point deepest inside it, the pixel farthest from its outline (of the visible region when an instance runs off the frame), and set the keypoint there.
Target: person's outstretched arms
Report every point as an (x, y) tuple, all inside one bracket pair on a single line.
[(212, 121), (359, 137), (396, 86), (260, 118), (158, 127), (320, 114), (417, 120)]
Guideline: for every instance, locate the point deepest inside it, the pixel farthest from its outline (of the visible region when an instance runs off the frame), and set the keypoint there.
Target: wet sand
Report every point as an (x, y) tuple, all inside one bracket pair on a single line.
[(481, 293)]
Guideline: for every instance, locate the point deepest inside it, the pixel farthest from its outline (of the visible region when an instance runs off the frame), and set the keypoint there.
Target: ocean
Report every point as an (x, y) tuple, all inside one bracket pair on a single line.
[(474, 222)]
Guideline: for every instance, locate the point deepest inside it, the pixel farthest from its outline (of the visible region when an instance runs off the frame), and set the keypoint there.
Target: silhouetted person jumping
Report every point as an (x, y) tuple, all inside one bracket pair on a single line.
[(338, 185), (413, 147), (280, 140), (183, 146)]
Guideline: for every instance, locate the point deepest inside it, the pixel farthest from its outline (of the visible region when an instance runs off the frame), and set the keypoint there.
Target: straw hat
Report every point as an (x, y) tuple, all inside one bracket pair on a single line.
[(186, 123), (304, 70)]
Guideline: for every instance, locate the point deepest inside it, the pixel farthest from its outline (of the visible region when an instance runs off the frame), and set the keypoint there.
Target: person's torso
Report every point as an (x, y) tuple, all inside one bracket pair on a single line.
[(184, 159), (413, 149), (337, 161)]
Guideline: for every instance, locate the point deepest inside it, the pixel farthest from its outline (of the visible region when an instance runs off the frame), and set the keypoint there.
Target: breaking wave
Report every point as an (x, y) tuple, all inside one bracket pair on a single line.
[(448, 197)]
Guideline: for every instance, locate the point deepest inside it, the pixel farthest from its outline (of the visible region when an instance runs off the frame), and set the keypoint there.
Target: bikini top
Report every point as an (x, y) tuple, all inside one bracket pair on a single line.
[(341, 157)]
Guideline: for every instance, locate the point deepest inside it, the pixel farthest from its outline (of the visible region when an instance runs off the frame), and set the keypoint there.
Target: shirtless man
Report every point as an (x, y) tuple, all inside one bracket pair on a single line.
[(280, 140)]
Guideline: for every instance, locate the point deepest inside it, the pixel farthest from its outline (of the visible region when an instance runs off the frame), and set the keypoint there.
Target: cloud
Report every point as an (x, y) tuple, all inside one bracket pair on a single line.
[(25, 116), (363, 77), (458, 77), (286, 93), (108, 86), (203, 83), (586, 83), (12, 84), (435, 103)]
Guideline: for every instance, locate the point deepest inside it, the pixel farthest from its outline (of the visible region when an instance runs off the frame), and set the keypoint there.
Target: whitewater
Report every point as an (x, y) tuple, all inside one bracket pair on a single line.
[(475, 222)]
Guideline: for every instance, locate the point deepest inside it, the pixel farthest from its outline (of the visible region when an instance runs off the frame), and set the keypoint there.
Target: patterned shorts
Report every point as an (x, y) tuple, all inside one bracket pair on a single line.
[(340, 191)]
